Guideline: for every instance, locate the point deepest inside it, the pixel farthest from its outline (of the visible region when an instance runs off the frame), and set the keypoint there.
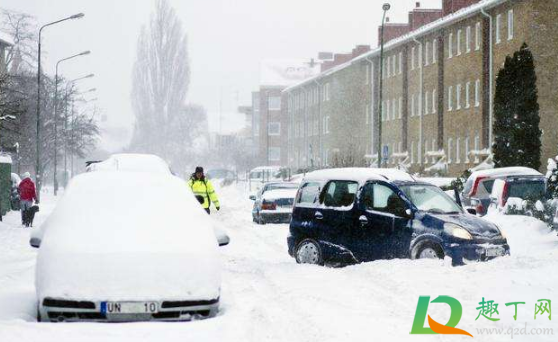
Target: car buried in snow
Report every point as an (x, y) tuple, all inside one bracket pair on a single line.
[(344, 216), (127, 246), (274, 203)]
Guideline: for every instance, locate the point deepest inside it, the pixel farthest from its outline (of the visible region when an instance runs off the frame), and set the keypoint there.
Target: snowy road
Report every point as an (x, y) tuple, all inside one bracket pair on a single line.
[(266, 296)]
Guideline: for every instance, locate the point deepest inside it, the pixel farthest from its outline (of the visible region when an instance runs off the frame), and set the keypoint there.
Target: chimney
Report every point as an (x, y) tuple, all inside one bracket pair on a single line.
[(387, 19), (417, 4)]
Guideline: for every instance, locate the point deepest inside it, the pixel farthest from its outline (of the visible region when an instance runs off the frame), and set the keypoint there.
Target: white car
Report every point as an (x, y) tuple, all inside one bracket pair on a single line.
[(125, 246)]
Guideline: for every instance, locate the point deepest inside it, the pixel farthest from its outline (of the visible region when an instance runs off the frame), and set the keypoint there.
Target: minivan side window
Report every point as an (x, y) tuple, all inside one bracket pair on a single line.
[(378, 197), (309, 193), (339, 194)]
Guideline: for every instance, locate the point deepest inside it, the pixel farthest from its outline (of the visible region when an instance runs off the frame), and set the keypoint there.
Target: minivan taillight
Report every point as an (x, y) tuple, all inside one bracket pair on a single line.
[(505, 191), (476, 186), (269, 206)]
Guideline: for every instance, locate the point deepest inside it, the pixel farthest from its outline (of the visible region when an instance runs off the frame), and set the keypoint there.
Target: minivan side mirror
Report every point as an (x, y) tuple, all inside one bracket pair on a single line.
[(252, 197), (472, 211), (409, 213)]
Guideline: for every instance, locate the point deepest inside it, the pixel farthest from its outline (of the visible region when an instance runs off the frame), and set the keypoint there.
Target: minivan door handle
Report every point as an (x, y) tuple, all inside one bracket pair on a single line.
[(363, 221), (319, 215)]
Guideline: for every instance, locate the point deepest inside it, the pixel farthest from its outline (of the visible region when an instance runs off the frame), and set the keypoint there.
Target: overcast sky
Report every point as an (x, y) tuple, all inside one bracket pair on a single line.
[(227, 41)]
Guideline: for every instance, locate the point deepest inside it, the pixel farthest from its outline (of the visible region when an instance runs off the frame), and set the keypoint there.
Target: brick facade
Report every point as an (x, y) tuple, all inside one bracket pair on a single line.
[(436, 87)]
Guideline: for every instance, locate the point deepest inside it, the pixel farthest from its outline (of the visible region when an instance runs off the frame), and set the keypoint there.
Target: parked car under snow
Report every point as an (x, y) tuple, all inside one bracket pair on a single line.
[(124, 246)]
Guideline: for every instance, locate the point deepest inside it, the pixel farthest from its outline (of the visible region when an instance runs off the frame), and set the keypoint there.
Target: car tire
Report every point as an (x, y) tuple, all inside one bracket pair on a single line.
[(430, 250), (308, 251)]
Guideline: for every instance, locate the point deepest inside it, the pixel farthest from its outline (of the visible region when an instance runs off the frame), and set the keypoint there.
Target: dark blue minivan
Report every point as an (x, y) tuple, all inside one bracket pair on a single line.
[(352, 215)]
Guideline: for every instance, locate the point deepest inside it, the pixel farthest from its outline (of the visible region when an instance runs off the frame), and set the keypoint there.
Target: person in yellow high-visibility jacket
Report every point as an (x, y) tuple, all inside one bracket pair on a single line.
[(202, 188)]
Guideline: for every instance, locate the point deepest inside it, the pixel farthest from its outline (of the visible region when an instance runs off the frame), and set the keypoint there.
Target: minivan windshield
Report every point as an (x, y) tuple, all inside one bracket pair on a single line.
[(431, 199)]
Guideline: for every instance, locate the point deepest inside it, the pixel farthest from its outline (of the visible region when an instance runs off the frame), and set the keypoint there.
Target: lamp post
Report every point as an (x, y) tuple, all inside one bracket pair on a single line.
[(66, 127), (385, 8), (38, 134), (55, 181)]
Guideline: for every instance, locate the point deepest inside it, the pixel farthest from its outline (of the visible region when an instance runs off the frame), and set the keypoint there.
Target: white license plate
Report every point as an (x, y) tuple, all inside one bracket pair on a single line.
[(494, 252), (129, 307)]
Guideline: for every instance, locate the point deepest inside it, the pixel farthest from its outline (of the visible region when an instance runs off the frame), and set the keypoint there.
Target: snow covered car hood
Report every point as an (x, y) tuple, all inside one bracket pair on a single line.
[(128, 236), (473, 224)]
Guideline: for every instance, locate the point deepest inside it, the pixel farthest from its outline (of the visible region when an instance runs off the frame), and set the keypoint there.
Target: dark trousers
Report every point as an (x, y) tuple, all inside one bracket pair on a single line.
[(207, 211)]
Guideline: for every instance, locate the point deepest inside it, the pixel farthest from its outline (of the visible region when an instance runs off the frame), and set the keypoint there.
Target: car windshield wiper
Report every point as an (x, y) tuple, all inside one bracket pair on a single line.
[(436, 211)]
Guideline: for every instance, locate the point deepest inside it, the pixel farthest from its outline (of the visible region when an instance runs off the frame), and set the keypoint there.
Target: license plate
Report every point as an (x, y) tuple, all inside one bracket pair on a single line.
[(494, 252), (129, 307)]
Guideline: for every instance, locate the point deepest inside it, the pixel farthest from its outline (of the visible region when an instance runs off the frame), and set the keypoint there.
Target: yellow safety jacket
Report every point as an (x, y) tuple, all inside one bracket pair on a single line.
[(205, 189)]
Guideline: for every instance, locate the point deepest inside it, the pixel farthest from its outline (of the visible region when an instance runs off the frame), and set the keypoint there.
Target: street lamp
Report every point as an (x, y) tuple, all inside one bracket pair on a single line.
[(385, 8), (38, 136), (84, 53)]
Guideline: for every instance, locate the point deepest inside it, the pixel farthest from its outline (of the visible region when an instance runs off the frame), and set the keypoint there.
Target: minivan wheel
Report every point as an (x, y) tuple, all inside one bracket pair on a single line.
[(430, 251), (309, 252)]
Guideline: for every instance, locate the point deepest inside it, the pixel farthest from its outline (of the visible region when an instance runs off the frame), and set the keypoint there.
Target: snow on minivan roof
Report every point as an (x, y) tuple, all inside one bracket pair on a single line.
[(506, 171), (360, 175)]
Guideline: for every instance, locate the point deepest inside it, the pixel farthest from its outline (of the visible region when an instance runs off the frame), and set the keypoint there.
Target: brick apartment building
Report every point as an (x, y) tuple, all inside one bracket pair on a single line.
[(269, 123), (439, 77)]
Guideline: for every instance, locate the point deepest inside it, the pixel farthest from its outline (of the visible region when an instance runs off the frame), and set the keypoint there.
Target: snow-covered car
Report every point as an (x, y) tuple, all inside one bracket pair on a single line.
[(478, 187), (14, 193), (275, 205), (354, 215), (126, 246), (133, 163), (513, 190)]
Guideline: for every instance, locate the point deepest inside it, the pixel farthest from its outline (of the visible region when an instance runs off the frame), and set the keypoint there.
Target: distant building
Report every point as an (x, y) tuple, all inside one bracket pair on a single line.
[(439, 76), (5, 42), (269, 122)]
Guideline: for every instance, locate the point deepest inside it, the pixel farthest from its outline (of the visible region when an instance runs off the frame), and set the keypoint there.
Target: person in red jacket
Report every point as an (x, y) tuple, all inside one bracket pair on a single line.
[(27, 194)]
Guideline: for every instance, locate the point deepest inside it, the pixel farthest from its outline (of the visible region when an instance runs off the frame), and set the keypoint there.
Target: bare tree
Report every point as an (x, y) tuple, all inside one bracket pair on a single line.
[(22, 28), (161, 79)]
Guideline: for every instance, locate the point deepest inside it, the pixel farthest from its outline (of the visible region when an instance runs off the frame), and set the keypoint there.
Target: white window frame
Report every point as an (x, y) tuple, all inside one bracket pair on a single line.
[(426, 108), (458, 42), (477, 146), (450, 98), (477, 93), (450, 146), (434, 50), (510, 24), (477, 36), (400, 63), (387, 110), (367, 72), (326, 124), (498, 28), (413, 58), (270, 103), (450, 45), (468, 95), (419, 105), (434, 100), (394, 108), (468, 39), (458, 96), (400, 108), (467, 150), (458, 150), (412, 105)]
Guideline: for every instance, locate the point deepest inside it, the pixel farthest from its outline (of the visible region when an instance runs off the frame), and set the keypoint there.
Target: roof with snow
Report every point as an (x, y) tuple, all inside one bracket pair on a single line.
[(507, 171), (5, 159), (360, 175), (6, 39), (424, 30), (286, 72)]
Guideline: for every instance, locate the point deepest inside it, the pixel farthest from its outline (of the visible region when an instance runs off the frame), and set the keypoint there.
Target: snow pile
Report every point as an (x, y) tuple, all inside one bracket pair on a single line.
[(128, 236), (133, 163)]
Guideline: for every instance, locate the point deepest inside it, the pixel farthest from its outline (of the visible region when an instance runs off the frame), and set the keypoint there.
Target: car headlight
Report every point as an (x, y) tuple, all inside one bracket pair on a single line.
[(457, 231)]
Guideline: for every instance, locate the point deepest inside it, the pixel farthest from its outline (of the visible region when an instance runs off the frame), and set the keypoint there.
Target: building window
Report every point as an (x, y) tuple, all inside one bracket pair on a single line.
[(326, 92), (477, 146), (413, 58), (394, 65), (274, 103), (478, 36), (419, 57), (400, 108), (434, 50), (510, 24), (274, 153), (434, 149), (425, 151), (468, 39), (498, 28), (450, 147), (458, 151), (400, 63), (434, 101), (477, 93), (274, 128), (412, 152), (467, 95), (413, 105), (458, 96), (427, 53), (426, 108), (450, 45), (450, 98), (387, 110), (326, 124), (394, 109), (458, 42), (467, 161)]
